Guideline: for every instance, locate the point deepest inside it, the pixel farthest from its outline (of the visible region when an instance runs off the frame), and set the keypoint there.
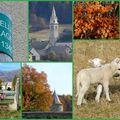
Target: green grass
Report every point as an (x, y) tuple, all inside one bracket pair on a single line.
[(9, 114), (6, 101)]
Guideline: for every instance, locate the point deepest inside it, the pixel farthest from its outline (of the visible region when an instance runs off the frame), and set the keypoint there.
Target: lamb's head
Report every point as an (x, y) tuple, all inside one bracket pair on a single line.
[(96, 62), (116, 63)]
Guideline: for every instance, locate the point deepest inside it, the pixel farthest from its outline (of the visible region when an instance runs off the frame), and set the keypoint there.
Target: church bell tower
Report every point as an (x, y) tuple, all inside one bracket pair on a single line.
[(53, 26)]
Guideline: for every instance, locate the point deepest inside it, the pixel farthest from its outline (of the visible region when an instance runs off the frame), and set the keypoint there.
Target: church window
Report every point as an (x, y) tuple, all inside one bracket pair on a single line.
[(52, 27), (55, 27)]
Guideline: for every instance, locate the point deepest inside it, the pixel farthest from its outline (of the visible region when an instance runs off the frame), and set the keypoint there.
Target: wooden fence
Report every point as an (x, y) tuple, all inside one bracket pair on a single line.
[(47, 115)]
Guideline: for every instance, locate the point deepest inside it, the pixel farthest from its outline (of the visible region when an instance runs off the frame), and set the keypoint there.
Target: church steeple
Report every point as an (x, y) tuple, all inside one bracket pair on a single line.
[(56, 105), (53, 18), (53, 12), (56, 99), (53, 28)]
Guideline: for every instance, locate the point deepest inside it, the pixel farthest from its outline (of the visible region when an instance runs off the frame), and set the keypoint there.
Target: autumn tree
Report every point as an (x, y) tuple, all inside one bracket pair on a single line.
[(96, 20), (35, 89), (66, 101)]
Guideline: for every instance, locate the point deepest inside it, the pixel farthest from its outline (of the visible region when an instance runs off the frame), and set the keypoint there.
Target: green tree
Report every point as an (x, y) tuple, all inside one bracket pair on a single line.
[(52, 56), (0, 84), (14, 82)]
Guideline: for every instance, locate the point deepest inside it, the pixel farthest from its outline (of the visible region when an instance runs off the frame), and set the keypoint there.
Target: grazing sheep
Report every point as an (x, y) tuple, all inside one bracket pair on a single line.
[(97, 62), (101, 75)]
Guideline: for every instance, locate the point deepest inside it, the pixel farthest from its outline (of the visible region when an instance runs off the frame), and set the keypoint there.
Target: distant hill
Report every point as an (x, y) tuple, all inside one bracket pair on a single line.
[(40, 13), (9, 75), (65, 36), (43, 35)]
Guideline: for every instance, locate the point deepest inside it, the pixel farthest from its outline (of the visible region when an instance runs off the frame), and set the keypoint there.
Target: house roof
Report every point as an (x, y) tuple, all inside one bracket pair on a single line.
[(9, 84)]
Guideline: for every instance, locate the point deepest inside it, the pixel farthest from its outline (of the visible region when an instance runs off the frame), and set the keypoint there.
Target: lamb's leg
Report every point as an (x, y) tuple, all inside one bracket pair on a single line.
[(78, 86), (106, 89), (83, 101), (99, 91), (81, 94)]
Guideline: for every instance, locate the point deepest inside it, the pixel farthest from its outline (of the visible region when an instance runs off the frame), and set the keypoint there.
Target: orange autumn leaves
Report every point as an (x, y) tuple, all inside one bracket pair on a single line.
[(95, 20), (35, 89)]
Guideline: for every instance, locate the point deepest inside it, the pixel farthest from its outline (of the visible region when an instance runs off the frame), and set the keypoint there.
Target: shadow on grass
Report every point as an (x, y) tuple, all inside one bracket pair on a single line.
[(113, 90)]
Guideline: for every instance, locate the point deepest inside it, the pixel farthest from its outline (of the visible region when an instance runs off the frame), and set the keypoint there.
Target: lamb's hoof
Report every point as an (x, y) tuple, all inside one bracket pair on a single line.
[(78, 106), (109, 100), (97, 100)]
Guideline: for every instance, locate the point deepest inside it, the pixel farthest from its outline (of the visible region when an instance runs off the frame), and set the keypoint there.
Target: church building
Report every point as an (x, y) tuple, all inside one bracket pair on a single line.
[(53, 26), (51, 49), (56, 105)]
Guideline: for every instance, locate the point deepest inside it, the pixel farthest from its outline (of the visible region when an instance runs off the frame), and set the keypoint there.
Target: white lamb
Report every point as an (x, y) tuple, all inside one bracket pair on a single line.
[(97, 62), (101, 75)]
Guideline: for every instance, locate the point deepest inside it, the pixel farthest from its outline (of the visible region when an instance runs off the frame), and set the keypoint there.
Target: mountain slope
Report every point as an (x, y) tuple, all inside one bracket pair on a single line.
[(9, 75), (40, 13)]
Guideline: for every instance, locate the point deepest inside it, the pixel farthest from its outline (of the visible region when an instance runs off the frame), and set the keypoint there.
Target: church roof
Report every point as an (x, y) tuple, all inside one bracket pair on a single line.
[(53, 18), (58, 49), (53, 12), (56, 98)]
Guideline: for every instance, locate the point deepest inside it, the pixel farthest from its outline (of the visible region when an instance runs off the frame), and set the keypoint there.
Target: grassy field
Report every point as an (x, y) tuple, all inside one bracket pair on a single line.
[(83, 51), (9, 114), (6, 101), (44, 34)]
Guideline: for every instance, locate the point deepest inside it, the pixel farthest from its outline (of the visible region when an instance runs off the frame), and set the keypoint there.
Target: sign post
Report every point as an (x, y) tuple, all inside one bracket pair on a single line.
[(5, 37)]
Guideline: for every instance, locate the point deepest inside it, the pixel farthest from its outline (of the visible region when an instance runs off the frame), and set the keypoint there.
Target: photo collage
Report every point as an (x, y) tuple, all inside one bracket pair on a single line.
[(43, 40)]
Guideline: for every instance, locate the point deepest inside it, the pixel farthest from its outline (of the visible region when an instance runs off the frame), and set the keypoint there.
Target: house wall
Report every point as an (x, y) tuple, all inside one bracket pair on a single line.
[(3, 87), (34, 53)]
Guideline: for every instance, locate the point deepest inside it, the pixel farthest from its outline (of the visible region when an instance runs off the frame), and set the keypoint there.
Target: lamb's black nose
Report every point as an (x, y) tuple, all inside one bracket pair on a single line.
[(119, 69)]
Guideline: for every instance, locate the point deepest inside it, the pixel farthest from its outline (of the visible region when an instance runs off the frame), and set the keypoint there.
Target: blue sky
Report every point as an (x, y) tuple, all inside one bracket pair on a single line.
[(59, 76), (9, 66)]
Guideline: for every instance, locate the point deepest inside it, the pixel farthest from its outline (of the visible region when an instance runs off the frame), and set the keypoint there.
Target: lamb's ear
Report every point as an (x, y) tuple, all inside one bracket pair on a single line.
[(90, 61), (117, 60)]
